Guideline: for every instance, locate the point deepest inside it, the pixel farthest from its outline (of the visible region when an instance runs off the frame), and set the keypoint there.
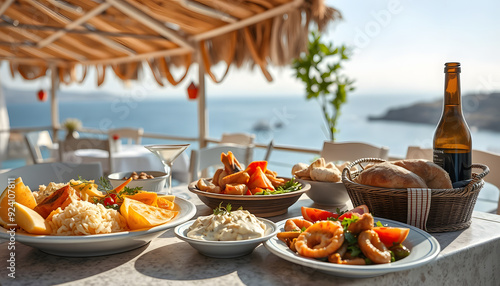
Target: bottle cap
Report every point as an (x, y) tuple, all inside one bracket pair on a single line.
[(453, 67)]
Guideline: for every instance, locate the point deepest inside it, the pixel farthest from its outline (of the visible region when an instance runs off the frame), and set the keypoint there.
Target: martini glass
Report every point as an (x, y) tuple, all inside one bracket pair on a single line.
[(167, 154)]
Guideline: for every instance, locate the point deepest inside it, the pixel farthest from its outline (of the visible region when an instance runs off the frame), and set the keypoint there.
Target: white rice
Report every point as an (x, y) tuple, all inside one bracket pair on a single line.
[(84, 218)]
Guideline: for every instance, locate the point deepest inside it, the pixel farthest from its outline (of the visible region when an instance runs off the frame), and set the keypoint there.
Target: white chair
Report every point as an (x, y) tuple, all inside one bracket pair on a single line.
[(351, 151), (57, 172), (489, 159), (204, 158), (244, 139), (74, 144), (415, 152), (37, 141), (237, 138), (133, 135)]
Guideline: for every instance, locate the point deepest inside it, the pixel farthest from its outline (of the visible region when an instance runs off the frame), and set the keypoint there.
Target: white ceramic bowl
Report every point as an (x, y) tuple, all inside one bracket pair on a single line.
[(157, 184), (326, 193), (261, 206), (225, 249)]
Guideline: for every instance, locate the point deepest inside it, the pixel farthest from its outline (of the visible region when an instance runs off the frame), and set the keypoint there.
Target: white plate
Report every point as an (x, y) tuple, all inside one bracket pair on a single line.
[(102, 244), (424, 248), (226, 249)]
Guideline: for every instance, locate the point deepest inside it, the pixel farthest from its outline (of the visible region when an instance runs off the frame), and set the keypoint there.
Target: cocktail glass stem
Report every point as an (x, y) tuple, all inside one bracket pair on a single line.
[(168, 170)]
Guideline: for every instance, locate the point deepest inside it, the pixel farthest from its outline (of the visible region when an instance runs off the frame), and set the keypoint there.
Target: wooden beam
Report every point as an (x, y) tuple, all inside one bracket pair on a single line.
[(36, 61), (152, 23), (66, 6), (80, 31), (5, 5), (64, 20), (280, 10), (29, 49), (207, 11), (92, 13), (53, 47)]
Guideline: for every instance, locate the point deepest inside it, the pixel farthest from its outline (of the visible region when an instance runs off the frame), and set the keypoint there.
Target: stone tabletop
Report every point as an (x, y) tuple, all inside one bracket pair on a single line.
[(468, 257)]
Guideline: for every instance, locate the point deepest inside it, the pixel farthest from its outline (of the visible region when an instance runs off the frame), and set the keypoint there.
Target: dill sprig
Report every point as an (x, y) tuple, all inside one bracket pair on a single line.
[(220, 210), (104, 185)]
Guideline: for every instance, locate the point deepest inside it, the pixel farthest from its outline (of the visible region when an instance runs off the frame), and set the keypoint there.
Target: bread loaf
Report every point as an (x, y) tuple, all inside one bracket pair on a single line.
[(434, 176), (387, 175), (410, 173)]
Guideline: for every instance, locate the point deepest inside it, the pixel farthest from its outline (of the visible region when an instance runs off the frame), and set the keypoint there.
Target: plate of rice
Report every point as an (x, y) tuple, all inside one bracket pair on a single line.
[(80, 219)]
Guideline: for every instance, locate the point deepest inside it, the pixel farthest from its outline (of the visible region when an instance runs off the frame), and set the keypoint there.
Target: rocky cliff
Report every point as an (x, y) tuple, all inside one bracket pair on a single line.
[(481, 111)]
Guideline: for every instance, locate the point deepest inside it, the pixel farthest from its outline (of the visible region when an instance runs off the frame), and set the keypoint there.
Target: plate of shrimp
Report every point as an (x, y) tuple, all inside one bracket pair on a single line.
[(323, 246)]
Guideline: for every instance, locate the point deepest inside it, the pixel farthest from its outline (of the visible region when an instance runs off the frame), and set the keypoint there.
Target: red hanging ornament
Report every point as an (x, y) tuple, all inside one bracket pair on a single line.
[(42, 95), (192, 91)]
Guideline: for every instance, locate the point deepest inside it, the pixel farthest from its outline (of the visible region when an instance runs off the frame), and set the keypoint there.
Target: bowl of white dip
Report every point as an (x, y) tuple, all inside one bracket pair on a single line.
[(226, 235)]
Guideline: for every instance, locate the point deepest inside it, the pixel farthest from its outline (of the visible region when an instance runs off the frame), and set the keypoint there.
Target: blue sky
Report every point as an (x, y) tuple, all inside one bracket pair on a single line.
[(400, 49)]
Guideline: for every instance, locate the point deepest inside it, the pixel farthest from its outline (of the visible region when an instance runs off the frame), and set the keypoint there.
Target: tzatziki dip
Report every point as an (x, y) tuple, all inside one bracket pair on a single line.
[(227, 226)]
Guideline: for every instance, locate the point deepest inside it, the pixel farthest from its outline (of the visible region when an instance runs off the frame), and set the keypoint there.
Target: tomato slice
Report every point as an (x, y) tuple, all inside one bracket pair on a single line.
[(314, 215), (391, 235)]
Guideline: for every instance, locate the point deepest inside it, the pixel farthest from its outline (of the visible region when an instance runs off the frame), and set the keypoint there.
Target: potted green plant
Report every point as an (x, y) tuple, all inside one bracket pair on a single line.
[(320, 70), (72, 125)]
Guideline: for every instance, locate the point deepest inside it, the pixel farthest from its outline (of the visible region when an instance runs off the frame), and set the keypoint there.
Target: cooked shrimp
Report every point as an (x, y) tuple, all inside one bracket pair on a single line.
[(287, 235), (340, 257), (373, 248), (365, 222), (296, 224), (320, 239)]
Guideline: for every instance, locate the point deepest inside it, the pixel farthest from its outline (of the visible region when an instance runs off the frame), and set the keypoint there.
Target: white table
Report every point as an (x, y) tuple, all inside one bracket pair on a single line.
[(127, 158), (467, 257)]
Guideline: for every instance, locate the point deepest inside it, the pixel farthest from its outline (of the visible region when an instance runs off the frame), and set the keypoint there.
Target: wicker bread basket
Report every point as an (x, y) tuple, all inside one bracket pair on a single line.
[(450, 209)]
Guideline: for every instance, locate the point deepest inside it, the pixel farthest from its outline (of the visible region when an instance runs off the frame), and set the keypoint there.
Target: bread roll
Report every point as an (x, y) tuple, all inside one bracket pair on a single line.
[(434, 176), (297, 168), (387, 175), (324, 174)]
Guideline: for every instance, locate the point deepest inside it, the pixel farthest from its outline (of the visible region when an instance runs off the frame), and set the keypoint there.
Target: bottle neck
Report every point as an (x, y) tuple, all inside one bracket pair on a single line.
[(452, 90)]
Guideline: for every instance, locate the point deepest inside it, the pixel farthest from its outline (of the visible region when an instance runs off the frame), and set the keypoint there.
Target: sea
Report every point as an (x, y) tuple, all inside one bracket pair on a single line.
[(290, 121), (287, 121)]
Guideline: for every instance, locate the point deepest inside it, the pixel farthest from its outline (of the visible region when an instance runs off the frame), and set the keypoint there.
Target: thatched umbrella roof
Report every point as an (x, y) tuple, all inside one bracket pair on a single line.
[(164, 33), (67, 35)]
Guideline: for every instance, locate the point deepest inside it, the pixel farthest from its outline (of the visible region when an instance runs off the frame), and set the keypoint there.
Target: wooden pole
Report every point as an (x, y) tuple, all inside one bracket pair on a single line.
[(53, 101), (202, 105)]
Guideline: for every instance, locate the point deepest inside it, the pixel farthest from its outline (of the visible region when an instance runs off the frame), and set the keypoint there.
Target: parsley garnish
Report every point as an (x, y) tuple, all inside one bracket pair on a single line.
[(105, 187), (354, 250), (290, 186), (346, 222), (220, 210)]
